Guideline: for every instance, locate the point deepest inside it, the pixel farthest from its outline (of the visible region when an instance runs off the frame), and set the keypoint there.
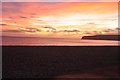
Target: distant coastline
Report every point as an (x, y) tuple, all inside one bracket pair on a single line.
[(103, 37)]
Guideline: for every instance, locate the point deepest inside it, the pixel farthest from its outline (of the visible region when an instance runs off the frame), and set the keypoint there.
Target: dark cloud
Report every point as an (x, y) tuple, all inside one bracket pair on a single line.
[(33, 15), (24, 30), (71, 31), (97, 32), (91, 23), (118, 28), (3, 24), (22, 17), (92, 32), (11, 17), (49, 27), (39, 20), (108, 30), (87, 32), (74, 30)]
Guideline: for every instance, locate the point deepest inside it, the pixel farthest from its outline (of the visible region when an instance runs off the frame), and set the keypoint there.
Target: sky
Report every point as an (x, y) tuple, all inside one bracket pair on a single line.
[(59, 19), (60, 0)]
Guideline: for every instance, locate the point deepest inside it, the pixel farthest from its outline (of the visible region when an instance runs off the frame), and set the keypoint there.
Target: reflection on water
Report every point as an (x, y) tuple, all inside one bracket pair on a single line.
[(24, 41)]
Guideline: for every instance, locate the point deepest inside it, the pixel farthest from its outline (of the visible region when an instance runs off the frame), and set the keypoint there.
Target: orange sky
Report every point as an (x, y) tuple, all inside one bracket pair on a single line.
[(60, 1), (59, 18)]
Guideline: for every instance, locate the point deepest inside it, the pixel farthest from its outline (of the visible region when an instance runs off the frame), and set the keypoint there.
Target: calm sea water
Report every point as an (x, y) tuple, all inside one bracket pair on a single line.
[(27, 41)]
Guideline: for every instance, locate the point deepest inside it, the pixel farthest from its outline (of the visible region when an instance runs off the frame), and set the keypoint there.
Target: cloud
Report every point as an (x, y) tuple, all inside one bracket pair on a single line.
[(49, 27), (37, 14), (12, 31), (118, 28), (31, 30), (74, 30), (92, 23), (12, 7), (108, 30), (43, 9), (92, 32), (3, 24), (111, 31), (22, 17)]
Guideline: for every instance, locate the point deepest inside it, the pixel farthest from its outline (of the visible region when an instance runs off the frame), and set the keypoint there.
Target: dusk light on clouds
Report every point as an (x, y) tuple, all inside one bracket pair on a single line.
[(59, 18)]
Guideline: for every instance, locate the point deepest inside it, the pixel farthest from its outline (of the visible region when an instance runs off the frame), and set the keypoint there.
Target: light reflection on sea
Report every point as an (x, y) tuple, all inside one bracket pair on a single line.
[(24, 41)]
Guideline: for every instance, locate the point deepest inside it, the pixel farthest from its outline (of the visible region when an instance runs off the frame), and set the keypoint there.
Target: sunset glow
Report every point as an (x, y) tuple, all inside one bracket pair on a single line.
[(59, 18)]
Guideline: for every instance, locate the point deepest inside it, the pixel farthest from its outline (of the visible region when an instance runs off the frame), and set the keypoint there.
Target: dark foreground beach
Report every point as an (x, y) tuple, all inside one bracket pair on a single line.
[(56, 62)]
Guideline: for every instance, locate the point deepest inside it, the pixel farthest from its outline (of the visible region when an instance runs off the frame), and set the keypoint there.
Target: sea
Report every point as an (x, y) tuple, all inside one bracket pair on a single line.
[(46, 41)]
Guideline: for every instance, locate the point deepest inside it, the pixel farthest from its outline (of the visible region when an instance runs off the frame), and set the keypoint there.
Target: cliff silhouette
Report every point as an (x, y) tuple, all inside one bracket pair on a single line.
[(102, 37)]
